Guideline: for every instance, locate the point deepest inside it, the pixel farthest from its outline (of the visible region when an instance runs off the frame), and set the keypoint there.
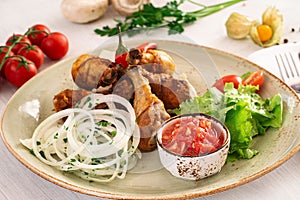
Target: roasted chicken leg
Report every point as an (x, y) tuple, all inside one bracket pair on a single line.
[(94, 73), (149, 109), (68, 98)]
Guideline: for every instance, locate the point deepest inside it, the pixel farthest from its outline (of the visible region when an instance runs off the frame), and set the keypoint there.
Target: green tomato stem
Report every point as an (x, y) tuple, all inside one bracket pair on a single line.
[(30, 30)]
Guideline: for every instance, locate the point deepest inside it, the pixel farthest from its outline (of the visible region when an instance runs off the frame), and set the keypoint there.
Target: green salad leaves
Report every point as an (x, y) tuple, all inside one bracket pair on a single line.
[(245, 113)]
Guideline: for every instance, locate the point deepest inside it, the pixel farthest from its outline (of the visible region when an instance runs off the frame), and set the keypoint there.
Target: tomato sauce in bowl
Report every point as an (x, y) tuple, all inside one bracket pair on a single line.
[(193, 146), (192, 136)]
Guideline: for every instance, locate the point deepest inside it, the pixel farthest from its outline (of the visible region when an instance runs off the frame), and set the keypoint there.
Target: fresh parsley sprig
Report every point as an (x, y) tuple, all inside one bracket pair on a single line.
[(169, 15)]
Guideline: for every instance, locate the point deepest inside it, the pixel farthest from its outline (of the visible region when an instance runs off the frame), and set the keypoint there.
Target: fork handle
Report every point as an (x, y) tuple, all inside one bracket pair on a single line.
[(296, 87)]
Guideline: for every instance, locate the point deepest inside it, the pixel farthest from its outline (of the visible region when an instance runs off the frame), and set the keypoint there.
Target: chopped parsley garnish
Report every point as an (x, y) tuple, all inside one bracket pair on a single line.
[(113, 133), (102, 123)]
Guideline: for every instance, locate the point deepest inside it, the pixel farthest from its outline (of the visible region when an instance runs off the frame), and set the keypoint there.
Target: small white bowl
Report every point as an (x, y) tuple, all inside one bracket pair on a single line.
[(193, 167)]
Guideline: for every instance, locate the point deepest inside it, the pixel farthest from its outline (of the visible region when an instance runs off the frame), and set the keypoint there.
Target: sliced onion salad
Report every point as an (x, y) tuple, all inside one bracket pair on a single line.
[(95, 144)]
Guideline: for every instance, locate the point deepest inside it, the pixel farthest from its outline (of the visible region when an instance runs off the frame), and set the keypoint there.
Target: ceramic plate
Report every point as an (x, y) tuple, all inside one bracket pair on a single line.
[(151, 181)]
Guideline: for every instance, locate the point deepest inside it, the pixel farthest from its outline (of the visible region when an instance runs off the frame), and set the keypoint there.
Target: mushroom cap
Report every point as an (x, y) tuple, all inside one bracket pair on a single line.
[(127, 7), (82, 11)]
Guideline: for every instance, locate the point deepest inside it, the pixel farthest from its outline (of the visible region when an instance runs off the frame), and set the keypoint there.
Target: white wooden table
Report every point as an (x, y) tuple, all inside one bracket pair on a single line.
[(17, 182)]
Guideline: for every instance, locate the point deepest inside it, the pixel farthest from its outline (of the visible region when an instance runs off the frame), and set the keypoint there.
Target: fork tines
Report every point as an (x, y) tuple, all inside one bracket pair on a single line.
[(288, 66)]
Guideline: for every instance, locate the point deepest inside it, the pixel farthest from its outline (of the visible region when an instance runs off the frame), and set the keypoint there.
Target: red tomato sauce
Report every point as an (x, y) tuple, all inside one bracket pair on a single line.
[(192, 136)]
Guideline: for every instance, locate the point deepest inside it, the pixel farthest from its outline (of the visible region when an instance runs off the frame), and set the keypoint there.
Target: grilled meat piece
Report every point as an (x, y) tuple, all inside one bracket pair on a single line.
[(155, 61), (149, 110), (92, 72), (68, 99), (124, 88), (170, 90)]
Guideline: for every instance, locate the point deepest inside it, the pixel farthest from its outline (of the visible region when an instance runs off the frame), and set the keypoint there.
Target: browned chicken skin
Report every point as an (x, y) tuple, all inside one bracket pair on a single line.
[(92, 72), (68, 98), (170, 90), (155, 61), (150, 111), (124, 88)]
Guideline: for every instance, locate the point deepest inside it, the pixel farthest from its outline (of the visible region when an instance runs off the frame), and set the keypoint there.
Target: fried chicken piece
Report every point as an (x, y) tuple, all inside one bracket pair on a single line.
[(169, 90), (149, 110), (124, 88), (92, 72), (155, 61), (68, 99)]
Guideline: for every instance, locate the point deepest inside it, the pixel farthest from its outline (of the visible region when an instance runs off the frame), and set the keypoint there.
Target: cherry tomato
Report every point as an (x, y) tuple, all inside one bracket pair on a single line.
[(39, 32), (121, 59), (18, 70), (33, 53), (255, 79), (55, 46), (23, 42), (3, 51), (236, 80)]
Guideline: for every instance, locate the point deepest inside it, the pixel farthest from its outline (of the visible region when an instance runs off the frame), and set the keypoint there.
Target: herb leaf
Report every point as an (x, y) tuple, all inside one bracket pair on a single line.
[(169, 15)]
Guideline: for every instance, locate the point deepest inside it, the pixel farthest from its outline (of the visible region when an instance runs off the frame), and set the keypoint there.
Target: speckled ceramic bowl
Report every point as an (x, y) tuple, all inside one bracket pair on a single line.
[(193, 167)]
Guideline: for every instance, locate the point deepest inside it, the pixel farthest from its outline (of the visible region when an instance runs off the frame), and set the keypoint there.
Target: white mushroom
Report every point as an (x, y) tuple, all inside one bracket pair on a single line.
[(127, 7), (83, 11)]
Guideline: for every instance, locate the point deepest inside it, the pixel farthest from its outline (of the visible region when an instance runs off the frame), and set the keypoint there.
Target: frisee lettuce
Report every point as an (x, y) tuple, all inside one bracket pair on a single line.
[(245, 113)]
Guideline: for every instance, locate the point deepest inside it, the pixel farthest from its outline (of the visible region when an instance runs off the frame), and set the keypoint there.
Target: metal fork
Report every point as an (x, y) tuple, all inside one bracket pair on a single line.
[(289, 68)]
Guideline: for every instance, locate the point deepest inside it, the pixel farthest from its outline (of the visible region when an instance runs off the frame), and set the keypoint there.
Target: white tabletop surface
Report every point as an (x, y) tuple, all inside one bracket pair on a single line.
[(17, 182)]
